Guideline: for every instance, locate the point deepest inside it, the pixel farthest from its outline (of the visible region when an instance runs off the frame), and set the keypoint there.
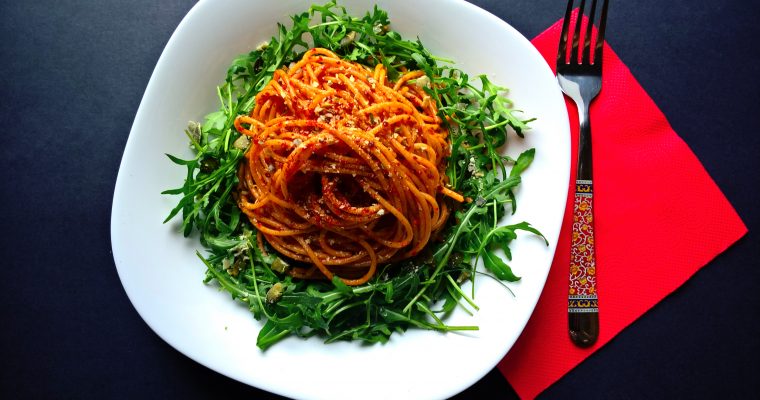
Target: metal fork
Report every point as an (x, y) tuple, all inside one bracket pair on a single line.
[(581, 80)]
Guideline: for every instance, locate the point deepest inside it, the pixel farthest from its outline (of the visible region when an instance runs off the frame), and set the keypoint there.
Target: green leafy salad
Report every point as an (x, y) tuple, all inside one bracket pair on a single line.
[(418, 292)]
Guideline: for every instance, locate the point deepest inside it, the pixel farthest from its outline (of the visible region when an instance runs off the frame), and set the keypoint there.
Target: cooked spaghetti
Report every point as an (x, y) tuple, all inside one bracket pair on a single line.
[(345, 169)]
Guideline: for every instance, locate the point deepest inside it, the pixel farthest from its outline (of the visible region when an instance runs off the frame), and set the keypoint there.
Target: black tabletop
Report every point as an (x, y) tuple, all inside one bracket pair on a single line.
[(72, 74)]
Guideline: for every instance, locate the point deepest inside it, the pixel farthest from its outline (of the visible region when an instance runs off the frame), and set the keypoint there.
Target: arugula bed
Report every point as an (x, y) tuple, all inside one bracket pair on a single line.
[(417, 292)]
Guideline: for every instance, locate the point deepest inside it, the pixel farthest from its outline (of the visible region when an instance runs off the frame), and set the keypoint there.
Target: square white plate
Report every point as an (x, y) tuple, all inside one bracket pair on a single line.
[(162, 276)]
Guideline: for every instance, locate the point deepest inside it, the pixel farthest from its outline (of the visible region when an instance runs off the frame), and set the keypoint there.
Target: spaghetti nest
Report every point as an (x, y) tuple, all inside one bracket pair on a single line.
[(345, 169)]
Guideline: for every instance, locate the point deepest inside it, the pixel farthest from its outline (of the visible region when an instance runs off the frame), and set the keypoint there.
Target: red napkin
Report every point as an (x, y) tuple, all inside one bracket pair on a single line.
[(659, 218)]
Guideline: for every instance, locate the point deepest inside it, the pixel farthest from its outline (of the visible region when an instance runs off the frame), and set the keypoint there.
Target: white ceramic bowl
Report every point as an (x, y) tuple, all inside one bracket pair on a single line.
[(162, 276)]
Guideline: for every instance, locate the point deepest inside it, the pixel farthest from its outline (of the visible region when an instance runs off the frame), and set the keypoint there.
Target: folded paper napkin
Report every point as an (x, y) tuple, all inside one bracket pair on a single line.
[(659, 218)]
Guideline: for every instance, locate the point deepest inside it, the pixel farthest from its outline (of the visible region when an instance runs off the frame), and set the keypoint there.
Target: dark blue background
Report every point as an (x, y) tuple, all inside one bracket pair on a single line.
[(72, 74)]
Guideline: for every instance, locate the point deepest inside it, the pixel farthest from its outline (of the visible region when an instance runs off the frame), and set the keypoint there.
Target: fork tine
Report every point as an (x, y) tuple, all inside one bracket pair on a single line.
[(600, 35), (577, 35), (587, 37), (562, 50)]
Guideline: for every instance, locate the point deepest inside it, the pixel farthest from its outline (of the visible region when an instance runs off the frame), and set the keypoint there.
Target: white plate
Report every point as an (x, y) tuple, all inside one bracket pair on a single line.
[(162, 276)]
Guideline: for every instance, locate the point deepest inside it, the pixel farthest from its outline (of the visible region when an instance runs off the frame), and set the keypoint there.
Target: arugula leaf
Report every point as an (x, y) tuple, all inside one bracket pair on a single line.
[(495, 264)]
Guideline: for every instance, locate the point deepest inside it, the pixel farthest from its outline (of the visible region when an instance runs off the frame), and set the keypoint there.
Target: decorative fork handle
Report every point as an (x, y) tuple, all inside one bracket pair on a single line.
[(583, 311)]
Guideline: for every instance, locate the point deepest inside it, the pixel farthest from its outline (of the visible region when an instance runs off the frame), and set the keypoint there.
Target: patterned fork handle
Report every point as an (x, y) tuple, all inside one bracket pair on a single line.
[(583, 311)]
